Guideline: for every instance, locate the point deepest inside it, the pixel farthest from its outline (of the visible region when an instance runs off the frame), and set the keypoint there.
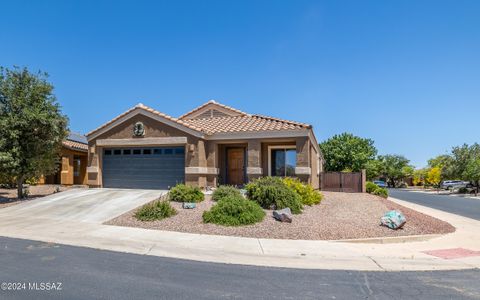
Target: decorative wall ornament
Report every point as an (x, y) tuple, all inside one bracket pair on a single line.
[(138, 129)]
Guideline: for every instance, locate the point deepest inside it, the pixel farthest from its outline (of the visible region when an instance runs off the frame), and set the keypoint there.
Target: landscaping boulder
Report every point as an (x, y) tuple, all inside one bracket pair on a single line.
[(283, 215), (189, 205), (393, 219)]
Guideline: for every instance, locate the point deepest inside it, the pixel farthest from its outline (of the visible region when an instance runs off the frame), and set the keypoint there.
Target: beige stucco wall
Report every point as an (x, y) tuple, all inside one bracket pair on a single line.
[(205, 154), (195, 149)]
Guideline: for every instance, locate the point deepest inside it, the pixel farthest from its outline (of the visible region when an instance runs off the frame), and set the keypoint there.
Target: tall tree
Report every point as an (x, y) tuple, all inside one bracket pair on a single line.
[(394, 167), (374, 169), (445, 163), (347, 152), (472, 171), (32, 126), (461, 157)]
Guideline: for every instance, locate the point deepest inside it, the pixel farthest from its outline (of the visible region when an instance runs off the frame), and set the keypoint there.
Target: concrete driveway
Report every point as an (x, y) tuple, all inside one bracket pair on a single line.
[(82, 205)]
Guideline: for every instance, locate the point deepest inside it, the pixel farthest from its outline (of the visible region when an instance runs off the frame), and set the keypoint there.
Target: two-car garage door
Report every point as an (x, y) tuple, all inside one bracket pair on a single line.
[(143, 168)]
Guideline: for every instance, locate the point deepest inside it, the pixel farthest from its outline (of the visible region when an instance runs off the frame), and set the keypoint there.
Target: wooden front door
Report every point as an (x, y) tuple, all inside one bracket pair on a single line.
[(236, 166)]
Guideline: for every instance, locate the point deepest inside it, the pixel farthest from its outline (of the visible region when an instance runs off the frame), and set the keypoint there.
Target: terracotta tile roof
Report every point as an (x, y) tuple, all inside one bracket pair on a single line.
[(246, 123), (75, 145), (212, 102), (141, 106), (242, 123)]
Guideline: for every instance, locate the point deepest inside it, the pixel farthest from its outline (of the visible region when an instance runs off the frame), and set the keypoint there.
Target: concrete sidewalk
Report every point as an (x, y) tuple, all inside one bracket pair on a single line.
[(338, 255)]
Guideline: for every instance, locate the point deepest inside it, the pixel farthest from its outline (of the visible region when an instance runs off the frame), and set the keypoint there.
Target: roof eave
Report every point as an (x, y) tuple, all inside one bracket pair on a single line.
[(257, 134)]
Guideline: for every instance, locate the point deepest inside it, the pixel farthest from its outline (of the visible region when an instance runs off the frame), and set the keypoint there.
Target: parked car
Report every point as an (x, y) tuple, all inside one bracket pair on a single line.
[(453, 184), (380, 183)]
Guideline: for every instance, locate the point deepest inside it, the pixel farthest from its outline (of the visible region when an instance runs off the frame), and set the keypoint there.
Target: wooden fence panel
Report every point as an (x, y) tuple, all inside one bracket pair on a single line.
[(348, 182)]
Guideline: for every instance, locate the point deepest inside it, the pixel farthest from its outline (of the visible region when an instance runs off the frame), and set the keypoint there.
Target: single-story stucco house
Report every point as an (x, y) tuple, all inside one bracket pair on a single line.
[(73, 162), (212, 144)]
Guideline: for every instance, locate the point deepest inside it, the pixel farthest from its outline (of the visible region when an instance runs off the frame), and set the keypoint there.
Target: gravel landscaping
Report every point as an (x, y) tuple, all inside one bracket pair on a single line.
[(8, 197), (338, 216)]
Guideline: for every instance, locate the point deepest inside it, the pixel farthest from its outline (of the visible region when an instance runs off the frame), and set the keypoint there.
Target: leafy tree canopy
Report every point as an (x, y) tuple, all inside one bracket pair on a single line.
[(395, 167), (32, 126), (347, 152)]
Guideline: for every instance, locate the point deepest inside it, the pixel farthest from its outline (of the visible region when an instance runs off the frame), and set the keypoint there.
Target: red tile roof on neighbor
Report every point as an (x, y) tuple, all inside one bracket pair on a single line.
[(241, 123), (76, 141), (75, 145)]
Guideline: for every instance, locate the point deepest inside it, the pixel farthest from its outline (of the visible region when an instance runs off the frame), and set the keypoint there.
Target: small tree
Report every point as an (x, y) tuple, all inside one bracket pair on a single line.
[(32, 126), (434, 176), (419, 176)]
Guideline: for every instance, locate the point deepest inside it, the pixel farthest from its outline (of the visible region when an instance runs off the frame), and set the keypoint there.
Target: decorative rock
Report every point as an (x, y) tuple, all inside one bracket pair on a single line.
[(283, 215), (189, 205), (393, 219)]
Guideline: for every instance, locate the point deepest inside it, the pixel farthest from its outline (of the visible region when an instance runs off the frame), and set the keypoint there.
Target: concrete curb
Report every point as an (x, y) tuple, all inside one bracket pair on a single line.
[(392, 239)]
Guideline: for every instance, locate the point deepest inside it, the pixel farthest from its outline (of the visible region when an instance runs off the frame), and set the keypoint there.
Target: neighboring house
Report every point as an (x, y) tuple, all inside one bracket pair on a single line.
[(210, 145), (73, 169)]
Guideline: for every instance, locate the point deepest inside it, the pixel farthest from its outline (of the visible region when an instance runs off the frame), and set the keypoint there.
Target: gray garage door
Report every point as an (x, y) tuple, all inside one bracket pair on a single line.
[(143, 168)]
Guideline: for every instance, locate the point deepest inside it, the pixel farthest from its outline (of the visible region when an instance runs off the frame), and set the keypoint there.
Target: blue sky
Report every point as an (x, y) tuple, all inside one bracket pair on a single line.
[(404, 73)]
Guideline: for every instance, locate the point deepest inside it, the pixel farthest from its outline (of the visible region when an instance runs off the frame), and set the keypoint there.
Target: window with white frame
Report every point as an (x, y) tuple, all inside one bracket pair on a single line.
[(282, 160)]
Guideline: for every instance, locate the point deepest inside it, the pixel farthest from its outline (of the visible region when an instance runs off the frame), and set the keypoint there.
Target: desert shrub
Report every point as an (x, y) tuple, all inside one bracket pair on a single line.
[(186, 193), (234, 210), (263, 190), (371, 187), (155, 210), (225, 191), (272, 192), (307, 193), (32, 181), (381, 192)]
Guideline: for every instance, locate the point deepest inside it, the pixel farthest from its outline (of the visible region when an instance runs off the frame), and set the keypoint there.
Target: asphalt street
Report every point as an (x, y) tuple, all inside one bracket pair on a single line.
[(466, 207), (85, 273)]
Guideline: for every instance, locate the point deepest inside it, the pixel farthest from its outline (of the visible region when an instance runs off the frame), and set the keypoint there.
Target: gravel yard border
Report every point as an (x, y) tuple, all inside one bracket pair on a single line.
[(339, 216)]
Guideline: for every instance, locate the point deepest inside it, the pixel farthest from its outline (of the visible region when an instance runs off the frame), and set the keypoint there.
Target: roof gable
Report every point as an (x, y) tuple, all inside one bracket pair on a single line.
[(149, 112), (212, 109)]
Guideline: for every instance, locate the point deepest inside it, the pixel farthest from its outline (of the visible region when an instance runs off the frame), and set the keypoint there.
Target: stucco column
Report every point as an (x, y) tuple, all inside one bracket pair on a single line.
[(254, 167), (66, 176), (303, 169), (212, 163)]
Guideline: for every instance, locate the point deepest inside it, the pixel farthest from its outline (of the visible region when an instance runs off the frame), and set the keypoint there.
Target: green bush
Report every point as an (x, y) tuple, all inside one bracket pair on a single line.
[(225, 191), (371, 187), (234, 211), (307, 193), (272, 192), (381, 192), (186, 193), (155, 210)]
